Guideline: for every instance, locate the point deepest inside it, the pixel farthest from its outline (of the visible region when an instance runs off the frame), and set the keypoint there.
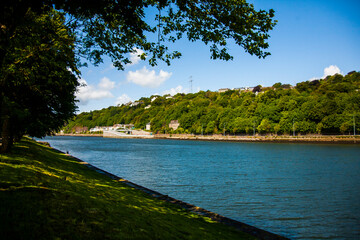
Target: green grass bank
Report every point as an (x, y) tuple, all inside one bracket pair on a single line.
[(45, 194)]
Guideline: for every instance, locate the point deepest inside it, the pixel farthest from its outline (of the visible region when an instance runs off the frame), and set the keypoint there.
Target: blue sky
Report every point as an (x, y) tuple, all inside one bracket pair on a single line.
[(311, 39)]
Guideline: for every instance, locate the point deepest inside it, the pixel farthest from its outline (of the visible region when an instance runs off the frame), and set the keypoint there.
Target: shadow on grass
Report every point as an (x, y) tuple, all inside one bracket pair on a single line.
[(45, 194)]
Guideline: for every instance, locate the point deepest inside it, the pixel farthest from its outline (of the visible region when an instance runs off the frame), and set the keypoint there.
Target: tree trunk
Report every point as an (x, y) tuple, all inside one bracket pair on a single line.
[(8, 27), (6, 136)]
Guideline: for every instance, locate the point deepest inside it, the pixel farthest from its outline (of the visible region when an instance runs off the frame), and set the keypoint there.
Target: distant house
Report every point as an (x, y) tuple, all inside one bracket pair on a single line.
[(148, 126), (174, 124), (148, 106), (136, 103), (242, 89), (79, 129), (96, 129), (222, 90), (127, 126)]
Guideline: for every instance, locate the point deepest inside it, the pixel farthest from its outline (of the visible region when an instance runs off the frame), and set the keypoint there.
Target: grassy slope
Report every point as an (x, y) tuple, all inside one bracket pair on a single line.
[(47, 195)]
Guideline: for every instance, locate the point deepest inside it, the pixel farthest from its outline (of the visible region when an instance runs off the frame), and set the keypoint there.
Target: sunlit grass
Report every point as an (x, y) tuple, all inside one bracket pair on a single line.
[(48, 195)]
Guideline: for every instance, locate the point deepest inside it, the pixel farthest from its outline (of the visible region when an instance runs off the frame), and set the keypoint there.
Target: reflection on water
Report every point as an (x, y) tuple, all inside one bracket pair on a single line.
[(297, 190)]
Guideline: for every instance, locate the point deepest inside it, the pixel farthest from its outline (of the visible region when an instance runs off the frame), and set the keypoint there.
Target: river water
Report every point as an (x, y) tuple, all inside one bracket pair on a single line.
[(301, 191)]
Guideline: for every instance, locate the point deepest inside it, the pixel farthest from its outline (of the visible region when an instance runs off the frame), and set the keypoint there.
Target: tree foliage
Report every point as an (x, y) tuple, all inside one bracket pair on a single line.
[(115, 28), (34, 56), (326, 107), (39, 78)]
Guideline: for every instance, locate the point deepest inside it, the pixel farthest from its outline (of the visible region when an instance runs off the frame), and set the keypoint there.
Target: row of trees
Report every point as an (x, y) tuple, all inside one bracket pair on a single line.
[(42, 42), (325, 106)]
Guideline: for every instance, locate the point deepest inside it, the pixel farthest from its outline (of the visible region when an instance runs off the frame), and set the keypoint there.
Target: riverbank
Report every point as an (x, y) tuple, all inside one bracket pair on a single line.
[(47, 194), (80, 134), (331, 139), (314, 139)]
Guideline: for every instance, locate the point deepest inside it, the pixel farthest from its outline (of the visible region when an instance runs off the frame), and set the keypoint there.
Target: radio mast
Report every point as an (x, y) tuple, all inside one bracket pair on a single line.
[(190, 81)]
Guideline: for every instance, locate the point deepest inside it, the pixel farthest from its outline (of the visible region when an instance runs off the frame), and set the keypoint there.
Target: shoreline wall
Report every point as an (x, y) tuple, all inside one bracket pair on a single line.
[(313, 139), (338, 139), (80, 134)]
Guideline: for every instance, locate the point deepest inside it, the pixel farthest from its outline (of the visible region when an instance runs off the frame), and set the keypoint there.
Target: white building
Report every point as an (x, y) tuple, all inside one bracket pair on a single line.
[(148, 126), (222, 90), (174, 124)]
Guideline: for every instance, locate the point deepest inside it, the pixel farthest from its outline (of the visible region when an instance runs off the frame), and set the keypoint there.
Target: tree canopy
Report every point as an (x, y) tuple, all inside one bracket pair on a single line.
[(325, 106), (39, 74), (115, 28), (40, 55)]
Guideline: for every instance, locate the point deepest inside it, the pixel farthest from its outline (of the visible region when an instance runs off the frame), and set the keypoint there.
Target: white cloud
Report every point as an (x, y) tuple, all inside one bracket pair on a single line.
[(331, 70), (106, 84), (86, 92), (147, 78), (123, 99), (135, 56), (174, 91)]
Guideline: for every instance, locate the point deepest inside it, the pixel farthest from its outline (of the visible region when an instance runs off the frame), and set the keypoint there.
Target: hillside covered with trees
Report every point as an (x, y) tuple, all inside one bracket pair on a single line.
[(325, 106)]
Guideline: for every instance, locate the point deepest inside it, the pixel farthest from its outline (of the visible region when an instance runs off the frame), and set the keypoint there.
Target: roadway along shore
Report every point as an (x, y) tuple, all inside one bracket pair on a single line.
[(326, 139), (337, 139)]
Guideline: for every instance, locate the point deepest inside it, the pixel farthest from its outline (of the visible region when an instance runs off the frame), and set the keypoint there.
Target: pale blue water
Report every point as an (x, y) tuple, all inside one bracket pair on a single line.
[(300, 191)]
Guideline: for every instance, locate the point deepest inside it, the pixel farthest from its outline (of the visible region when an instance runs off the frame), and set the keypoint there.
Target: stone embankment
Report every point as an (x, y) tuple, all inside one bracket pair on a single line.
[(338, 139), (80, 134), (326, 139)]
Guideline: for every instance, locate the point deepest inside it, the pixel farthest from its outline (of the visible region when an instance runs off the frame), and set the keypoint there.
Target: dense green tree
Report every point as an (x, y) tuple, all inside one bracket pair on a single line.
[(115, 28), (277, 85), (305, 127), (277, 128), (210, 127), (264, 126), (38, 78), (257, 89), (242, 125)]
